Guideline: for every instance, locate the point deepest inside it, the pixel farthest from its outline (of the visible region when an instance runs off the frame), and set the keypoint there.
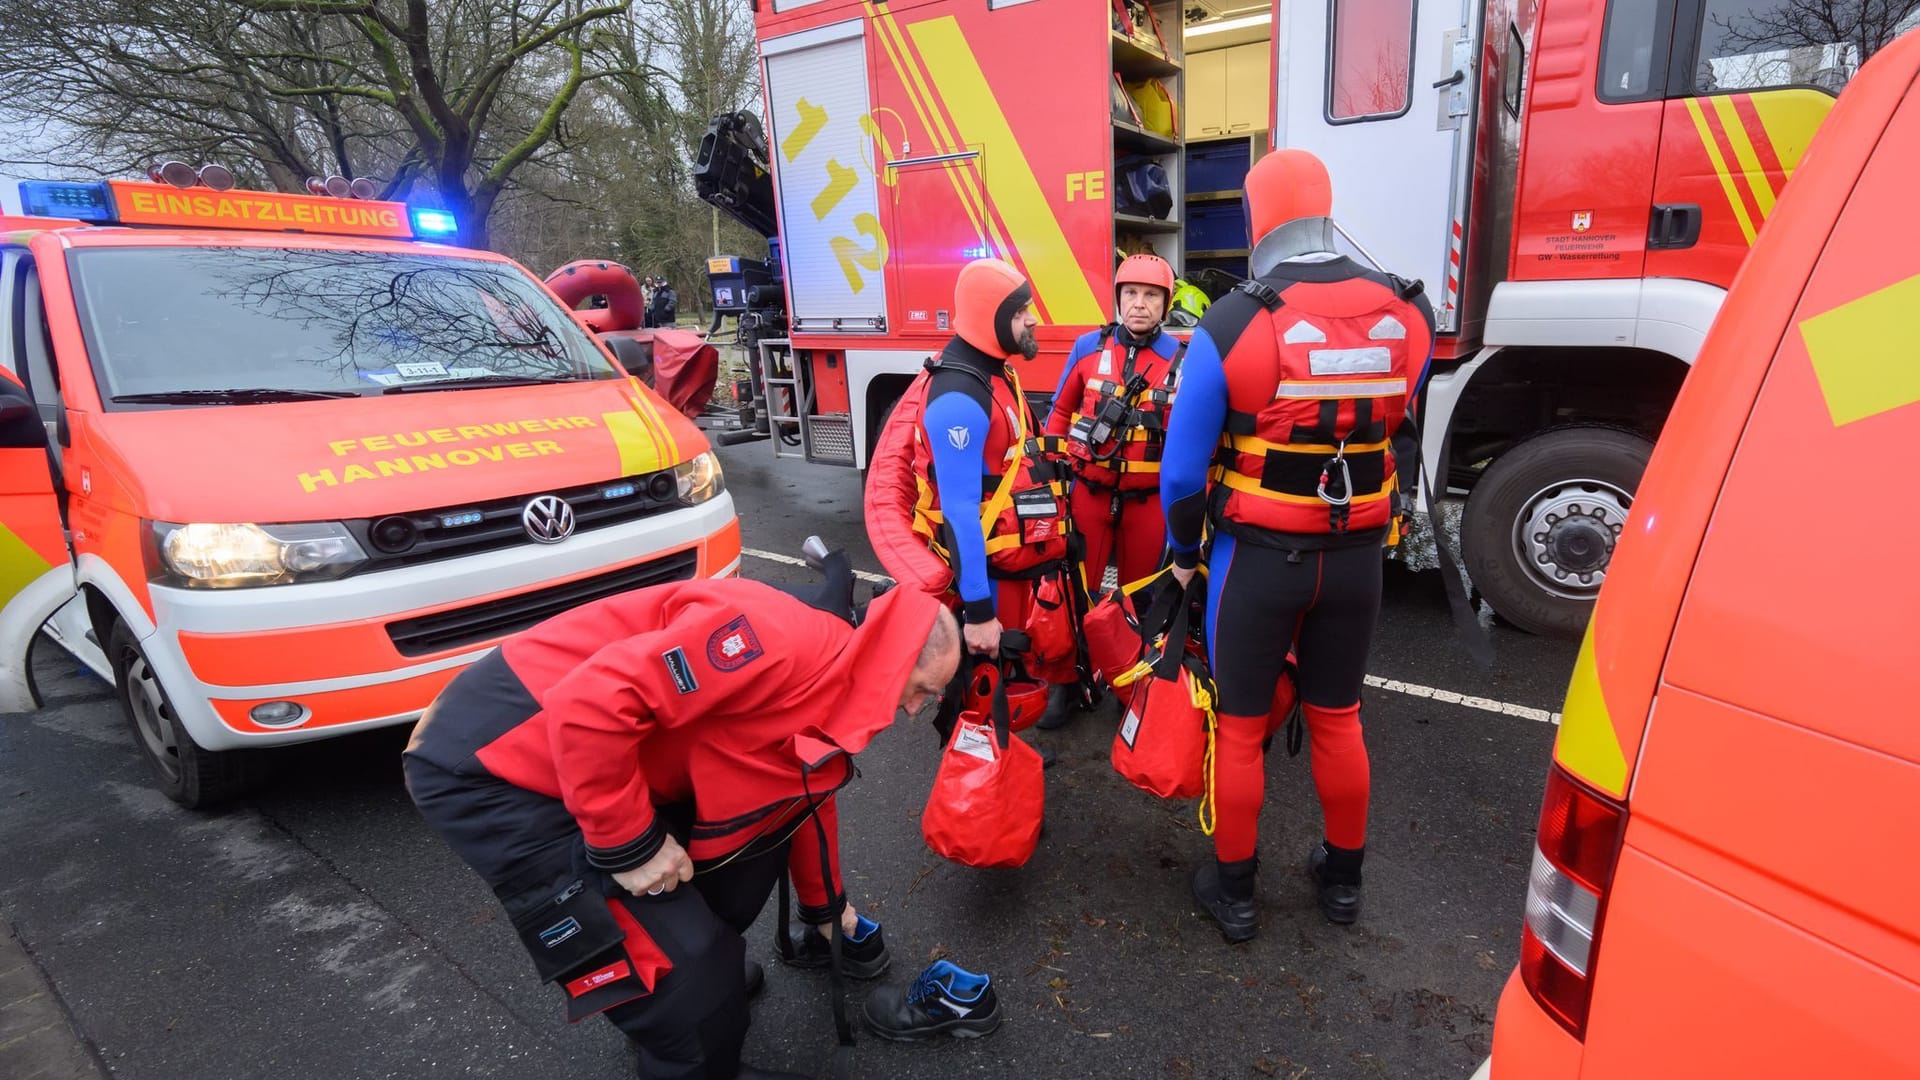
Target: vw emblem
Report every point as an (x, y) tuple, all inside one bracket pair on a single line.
[(548, 519)]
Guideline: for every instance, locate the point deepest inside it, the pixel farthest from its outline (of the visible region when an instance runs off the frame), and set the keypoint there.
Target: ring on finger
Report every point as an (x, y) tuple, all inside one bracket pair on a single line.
[(657, 890)]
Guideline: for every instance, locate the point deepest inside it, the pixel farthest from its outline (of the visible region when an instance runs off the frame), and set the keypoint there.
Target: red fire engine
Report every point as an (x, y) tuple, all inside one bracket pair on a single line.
[(1575, 181)]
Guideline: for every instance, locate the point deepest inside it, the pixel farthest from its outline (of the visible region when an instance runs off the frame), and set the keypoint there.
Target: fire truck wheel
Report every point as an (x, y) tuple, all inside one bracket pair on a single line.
[(1541, 525), (190, 776)]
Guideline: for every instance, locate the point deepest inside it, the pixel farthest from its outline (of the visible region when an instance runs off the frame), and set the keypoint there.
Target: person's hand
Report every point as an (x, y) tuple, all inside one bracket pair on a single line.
[(660, 874), (984, 638), (1184, 576), (849, 923)]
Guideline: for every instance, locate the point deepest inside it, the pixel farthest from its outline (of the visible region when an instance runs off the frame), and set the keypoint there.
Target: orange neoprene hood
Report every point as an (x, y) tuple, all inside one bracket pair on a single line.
[(985, 299), (1284, 186)]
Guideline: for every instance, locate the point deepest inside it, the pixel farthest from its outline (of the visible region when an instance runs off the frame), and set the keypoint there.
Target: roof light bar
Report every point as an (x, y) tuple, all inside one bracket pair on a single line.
[(430, 224), (90, 201)]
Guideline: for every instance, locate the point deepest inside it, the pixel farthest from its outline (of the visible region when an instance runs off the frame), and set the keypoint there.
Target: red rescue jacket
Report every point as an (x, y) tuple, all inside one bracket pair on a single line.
[(729, 694)]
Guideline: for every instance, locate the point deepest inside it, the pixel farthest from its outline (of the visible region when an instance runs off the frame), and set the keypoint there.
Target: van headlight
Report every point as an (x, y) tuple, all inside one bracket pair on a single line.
[(203, 556), (700, 479)]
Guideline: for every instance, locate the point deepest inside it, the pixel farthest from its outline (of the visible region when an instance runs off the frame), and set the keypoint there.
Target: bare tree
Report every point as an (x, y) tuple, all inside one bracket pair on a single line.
[(1858, 28), (456, 94)]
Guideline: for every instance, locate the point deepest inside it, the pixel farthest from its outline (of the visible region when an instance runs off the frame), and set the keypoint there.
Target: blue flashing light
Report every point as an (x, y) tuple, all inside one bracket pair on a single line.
[(75, 200), (434, 223), (977, 252), (455, 521), (617, 491)]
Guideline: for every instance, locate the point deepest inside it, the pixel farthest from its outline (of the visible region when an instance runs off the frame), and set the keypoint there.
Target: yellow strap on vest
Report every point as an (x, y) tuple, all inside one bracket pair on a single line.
[(1016, 457), (1250, 485)]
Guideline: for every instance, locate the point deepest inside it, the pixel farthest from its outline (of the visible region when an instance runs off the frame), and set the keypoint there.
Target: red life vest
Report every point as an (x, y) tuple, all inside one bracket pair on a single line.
[(1319, 379), (1127, 458), (1023, 504)]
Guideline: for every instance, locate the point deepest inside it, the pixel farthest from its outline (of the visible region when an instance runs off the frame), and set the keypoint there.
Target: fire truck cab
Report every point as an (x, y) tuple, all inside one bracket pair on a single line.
[(279, 466), (1576, 182)]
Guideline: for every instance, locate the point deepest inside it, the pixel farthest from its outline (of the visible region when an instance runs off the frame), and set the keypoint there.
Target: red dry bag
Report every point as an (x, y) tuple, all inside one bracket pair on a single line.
[(1165, 741), (988, 796)]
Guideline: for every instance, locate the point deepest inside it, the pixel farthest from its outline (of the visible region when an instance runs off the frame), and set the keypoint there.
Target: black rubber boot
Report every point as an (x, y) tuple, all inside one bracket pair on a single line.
[(1062, 704), (1225, 890), (1336, 877)]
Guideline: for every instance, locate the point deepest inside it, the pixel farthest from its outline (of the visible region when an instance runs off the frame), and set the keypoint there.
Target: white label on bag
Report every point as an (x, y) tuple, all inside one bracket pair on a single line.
[(976, 740), (1131, 729)]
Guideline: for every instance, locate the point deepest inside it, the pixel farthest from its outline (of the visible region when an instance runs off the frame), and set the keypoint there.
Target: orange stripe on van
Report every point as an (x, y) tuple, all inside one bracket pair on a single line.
[(297, 655), (344, 706), (722, 549)]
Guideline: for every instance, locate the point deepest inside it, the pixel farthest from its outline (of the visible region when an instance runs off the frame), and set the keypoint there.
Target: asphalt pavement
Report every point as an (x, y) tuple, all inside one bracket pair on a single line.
[(319, 930)]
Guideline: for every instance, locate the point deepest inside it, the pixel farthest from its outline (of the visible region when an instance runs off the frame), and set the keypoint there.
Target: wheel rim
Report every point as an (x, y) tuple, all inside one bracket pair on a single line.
[(150, 716), (1565, 535)]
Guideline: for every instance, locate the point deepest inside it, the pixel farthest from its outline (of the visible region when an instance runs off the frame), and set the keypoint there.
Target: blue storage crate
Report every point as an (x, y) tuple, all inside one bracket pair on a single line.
[(1216, 227), (1218, 166)]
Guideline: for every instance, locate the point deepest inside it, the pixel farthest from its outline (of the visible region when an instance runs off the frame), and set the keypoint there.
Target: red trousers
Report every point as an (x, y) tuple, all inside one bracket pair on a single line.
[(1136, 541)]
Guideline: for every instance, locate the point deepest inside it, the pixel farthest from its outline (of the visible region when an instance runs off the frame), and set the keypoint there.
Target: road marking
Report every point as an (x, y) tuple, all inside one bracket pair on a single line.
[(772, 556), (1504, 708), (1392, 686)]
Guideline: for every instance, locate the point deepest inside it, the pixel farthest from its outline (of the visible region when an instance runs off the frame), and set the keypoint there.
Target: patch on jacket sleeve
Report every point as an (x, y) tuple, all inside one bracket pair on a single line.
[(733, 646), (681, 670)]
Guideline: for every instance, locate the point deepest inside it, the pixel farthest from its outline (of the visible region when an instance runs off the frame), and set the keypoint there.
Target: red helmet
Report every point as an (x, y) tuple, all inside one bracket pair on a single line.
[(1284, 186), (985, 299), (1143, 270)]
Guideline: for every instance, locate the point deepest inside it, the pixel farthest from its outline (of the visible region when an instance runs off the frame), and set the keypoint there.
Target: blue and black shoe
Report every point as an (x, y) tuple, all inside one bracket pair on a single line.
[(944, 1000), (863, 955)]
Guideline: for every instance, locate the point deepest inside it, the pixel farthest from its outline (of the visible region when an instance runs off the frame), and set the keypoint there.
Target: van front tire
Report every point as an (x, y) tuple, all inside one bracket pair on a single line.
[(194, 778)]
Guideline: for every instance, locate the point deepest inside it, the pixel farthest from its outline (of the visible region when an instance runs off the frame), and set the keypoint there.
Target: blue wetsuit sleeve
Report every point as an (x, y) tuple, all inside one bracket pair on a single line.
[(956, 430), (1193, 431), (1064, 402)]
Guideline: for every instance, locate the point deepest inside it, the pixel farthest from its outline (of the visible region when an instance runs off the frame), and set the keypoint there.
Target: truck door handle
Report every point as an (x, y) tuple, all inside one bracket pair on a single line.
[(1456, 77), (1674, 226)]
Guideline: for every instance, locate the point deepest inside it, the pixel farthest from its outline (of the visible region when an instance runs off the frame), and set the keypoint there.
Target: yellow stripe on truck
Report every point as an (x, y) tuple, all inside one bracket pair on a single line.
[(1011, 185), (1790, 118), (643, 441), (1720, 169), (1588, 746)]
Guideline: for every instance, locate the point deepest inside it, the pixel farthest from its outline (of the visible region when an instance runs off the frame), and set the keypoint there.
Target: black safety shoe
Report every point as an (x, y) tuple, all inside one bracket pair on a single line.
[(1336, 877), (862, 957), (943, 1000), (1225, 891)]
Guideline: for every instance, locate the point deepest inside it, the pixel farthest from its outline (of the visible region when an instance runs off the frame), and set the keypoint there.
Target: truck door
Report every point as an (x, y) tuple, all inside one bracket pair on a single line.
[(1383, 92), (36, 571), (832, 242), (1750, 82)]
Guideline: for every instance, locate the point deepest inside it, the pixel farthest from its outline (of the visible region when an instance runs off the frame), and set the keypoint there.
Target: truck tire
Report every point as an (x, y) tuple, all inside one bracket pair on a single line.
[(194, 778), (1540, 526)]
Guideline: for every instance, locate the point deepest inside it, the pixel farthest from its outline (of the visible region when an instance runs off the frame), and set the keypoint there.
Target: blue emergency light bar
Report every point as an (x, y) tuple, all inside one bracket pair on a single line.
[(74, 200), (93, 201), (434, 223)]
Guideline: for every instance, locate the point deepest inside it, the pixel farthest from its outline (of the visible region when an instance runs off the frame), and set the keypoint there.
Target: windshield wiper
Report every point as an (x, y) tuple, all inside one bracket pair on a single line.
[(234, 394), (474, 381)]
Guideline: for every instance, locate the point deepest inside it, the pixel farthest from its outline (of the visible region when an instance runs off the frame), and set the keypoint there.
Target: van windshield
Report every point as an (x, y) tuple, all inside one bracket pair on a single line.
[(183, 325)]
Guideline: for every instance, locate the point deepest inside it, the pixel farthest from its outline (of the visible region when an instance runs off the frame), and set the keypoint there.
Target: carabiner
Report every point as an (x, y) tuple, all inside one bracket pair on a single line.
[(1339, 459)]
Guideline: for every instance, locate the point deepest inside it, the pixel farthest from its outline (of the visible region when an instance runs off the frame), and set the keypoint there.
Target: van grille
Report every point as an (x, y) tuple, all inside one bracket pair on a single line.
[(448, 532), (506, 615)]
